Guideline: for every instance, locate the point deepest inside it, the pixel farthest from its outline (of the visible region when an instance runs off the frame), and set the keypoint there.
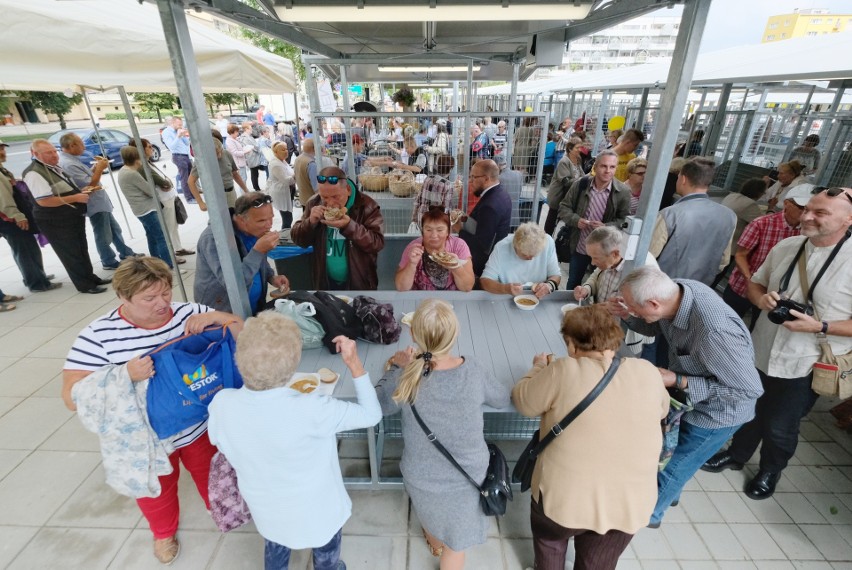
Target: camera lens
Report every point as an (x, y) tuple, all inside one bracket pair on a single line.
[(779, 315)]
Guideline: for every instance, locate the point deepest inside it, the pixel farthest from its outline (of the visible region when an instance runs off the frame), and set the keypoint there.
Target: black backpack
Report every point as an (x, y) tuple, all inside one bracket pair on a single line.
[(336, 317)]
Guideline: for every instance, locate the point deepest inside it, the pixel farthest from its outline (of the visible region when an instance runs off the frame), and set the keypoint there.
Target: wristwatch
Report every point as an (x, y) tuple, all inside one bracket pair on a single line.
[(824, 328)]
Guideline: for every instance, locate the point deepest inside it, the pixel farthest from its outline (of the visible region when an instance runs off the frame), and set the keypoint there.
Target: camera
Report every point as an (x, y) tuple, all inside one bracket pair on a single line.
[(781, 313)]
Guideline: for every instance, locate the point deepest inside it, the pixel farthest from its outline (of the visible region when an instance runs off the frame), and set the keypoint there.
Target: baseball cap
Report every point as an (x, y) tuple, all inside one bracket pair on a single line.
[(800, 194), (3, 144)]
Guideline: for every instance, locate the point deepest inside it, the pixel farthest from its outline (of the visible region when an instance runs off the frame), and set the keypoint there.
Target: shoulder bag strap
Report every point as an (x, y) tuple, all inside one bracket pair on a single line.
[(557, 430), (431, 437)]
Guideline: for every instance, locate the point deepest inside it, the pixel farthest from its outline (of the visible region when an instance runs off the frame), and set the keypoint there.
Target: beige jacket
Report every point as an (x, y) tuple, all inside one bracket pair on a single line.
[(601, 473)]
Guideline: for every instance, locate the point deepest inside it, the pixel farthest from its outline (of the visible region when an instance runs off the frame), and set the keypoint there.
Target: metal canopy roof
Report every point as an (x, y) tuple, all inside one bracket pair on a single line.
[(801, 59), (493, 34)]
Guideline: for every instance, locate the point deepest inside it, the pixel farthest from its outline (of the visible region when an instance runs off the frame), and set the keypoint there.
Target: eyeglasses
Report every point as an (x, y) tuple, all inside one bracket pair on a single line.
[(256, 203), (832, 192), (330, 179)]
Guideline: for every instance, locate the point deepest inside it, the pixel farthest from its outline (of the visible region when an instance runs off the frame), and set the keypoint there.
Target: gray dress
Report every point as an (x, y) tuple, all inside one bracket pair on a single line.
[(450, 403)]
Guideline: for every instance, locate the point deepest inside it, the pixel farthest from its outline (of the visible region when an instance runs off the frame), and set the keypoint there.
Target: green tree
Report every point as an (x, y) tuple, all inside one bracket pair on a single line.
[(218, 99), (53, 103), (155, 102), (273, 45)]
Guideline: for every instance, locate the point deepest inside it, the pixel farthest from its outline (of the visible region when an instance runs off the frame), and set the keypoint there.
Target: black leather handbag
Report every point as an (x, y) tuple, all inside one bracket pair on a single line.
[(494, 491), (523, 471)]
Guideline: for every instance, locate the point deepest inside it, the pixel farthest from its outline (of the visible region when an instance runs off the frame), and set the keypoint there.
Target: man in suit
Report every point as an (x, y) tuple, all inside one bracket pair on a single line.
[(489, 220)]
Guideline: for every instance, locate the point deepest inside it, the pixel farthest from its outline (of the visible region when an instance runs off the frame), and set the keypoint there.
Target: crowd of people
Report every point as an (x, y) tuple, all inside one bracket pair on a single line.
[(659, 328)]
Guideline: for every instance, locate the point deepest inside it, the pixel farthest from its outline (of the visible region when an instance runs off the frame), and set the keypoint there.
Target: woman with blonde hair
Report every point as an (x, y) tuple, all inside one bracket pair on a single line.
[(603, 499), (449, 392)]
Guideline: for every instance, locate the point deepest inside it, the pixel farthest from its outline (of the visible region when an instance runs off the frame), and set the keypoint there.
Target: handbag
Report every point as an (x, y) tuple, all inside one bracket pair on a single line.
[(494, 491), (525, 466), (832, 375), (303, 314), (181, 215), (227, 506), (190, 370)]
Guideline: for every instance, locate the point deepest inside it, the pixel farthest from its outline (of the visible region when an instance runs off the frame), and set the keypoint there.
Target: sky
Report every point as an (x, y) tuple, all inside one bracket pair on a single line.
[(741, 22)]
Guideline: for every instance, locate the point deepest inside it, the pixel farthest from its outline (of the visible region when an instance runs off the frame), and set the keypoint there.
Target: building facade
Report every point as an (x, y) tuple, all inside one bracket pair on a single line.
[(805, 23)]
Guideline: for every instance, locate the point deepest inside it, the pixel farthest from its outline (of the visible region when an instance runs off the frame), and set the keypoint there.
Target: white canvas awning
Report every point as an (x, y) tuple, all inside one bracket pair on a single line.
[(801, 59), (53, 46)]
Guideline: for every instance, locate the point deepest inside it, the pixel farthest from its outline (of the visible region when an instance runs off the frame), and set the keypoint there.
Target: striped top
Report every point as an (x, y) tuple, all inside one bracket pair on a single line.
[(710, 345), (594, 213), (113, 340)]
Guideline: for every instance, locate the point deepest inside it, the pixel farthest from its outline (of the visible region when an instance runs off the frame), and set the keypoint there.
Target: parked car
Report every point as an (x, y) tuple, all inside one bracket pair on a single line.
[(112, 140)]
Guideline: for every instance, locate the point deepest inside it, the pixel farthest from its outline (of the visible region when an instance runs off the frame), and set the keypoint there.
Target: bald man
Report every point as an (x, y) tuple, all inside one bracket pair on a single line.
[(60, 213)]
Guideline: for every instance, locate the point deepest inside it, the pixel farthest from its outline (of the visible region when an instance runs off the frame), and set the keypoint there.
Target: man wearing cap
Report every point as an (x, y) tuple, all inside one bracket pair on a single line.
[(60, 213), (757, 239), (346, 244), (16, 228), (99, 209), (252, 221)]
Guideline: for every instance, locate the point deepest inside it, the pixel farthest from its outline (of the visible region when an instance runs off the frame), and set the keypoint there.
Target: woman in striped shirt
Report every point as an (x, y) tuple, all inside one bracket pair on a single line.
[(146, 319)]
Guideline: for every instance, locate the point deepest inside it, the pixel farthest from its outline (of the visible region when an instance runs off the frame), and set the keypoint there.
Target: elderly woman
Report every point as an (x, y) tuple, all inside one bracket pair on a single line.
[(282, 442), (449, 392), (143, 202), (167, 196), (281, 176), (807, 155), (611, 493), (440, 145), (253, 158), (636, 169), (528, 256), (789, 176), (436, 261), (415, 161), (147, 318), (236, 148)]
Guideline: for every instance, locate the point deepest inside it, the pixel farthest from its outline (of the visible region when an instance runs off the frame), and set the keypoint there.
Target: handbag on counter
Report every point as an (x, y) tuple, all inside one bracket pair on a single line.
[(832, 374), (495, 491), (525, 466)]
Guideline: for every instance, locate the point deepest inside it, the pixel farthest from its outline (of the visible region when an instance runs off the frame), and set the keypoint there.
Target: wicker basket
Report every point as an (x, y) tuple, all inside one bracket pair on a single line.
[(401, 183), (374, 182)]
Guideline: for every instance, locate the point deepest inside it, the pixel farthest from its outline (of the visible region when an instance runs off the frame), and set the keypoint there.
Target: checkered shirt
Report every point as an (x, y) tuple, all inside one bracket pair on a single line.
[(759, 237)]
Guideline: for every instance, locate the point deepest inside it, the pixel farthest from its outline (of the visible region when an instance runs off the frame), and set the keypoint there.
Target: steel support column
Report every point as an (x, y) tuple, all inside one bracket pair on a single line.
[(674, 97), (718, 124), (189, 88)]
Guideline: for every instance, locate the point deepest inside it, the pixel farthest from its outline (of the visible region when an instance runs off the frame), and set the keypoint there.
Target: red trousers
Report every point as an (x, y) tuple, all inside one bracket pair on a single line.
[(163, 512)]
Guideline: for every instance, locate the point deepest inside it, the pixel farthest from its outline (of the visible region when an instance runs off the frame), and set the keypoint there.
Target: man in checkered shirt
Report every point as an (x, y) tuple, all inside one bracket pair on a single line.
[(710, 357), (757, 239)]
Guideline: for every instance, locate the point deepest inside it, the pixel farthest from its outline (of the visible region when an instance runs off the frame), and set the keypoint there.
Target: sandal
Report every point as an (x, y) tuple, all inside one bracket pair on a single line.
[(11, 298), (6, 307), (436, 552)]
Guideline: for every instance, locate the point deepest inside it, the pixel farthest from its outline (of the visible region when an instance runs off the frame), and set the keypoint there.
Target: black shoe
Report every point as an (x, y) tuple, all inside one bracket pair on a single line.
[(720, 462), (110, 266), (94, 290), (675, 503), (654, 525), (48, 287), (762, 486), (103, 280)]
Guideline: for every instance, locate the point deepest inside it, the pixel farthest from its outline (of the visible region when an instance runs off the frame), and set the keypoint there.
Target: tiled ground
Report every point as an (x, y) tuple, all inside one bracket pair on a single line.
[(55, 511)]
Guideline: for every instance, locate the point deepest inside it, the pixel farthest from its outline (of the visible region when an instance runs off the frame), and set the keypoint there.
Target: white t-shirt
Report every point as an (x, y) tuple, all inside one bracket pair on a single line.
[(505, 266)]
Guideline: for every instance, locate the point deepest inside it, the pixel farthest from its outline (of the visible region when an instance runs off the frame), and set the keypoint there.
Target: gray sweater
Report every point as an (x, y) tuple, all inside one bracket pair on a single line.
[(135, 188)]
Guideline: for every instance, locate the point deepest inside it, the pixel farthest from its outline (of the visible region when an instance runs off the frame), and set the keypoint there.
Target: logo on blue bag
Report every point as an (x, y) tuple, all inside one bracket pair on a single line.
[(199, 378)]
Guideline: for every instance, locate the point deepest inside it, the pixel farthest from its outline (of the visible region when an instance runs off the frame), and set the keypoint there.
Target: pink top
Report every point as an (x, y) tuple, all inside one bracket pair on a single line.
[(430, 276)]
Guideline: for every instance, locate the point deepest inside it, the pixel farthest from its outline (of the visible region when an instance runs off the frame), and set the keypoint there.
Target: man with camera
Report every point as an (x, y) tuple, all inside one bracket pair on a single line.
[(787, 337)]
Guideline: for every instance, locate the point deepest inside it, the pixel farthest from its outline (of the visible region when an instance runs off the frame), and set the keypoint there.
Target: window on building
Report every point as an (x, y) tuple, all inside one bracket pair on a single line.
[(783, 36), (773, 25), (786, 22), (770, 37), (811, 34), (816, 20)]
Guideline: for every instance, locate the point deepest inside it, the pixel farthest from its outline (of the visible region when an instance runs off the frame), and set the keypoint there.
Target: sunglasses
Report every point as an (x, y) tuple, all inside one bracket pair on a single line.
[(330, 179), (832, 192), (256, 203)]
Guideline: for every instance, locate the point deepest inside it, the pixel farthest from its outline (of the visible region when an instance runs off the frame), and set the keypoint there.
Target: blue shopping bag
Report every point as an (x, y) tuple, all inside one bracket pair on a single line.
[(190, 370)]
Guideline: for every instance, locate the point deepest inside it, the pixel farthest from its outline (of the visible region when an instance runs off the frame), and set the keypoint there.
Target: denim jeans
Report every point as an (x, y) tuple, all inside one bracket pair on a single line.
[(695, 445), (156, 240), (107, 232), (577, 267), (184, 166), (277, 556)]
